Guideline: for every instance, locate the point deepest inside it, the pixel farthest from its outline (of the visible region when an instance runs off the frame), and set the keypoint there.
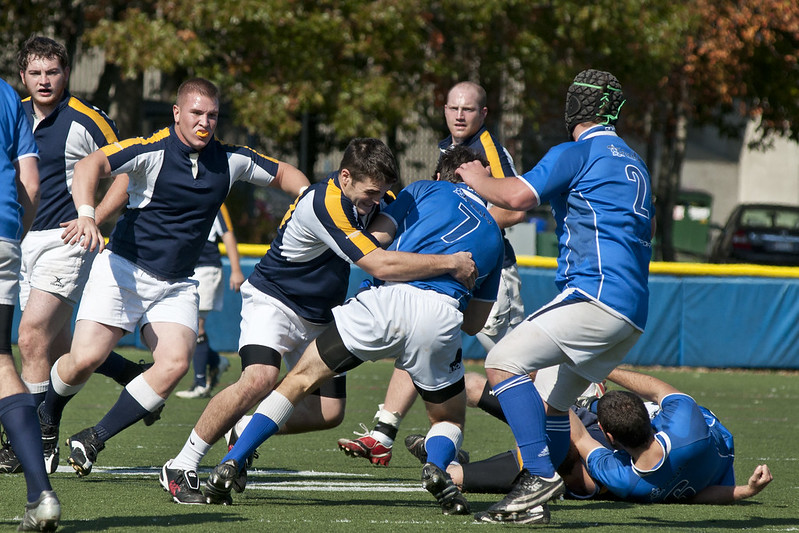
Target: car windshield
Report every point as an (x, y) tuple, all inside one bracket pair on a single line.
[(769, 217)]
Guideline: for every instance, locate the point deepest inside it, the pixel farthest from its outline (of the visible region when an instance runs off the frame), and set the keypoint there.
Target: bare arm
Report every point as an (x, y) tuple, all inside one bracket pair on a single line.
[(116, 197), (647, 387), (720, 494), (404, 266), (475, 316), (232, 250), (85, 179), (290, 179), (509, 193), (27, 189), (383, 229), (506, 218), (580, 437)]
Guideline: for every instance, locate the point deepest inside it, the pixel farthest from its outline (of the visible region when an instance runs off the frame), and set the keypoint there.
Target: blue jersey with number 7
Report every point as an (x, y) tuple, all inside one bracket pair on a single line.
[(600, 194), (439, 217)]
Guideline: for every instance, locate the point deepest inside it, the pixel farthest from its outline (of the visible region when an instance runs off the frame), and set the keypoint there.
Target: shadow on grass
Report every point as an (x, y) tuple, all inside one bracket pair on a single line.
[(145, 522)]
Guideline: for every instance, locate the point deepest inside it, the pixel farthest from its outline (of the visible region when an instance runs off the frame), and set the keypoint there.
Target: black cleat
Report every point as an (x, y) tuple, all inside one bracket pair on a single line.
[(9, 464), (85, 447), (528, 492), (537, 515), (217, 488), (49, 445), (439, 484), (183, 485)]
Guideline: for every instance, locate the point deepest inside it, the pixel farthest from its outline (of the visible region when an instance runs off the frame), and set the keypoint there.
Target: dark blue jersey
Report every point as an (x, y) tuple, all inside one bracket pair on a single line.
[(307, 266), (175, 194), (210, 255), (71, 132)]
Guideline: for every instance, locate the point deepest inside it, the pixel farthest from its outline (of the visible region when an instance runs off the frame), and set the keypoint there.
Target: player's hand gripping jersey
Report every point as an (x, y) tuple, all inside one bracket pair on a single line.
[(307, 266)]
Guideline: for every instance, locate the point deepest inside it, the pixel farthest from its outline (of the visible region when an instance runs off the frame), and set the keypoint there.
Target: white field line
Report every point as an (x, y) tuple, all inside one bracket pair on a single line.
[(360, 483)]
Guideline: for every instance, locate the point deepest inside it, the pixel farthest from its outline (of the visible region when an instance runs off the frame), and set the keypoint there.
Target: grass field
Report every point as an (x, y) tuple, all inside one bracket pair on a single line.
[(304, 483)]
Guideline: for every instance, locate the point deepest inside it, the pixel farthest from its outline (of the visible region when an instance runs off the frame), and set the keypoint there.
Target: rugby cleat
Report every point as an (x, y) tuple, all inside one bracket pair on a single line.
[(183, 485), (537, 515), (240, 483), (43, 514), (9, 464), (85, 446), (219, 483), (49, 445), (367, 447), (440, 485), (153, 416), (528, 492), (196, 391)]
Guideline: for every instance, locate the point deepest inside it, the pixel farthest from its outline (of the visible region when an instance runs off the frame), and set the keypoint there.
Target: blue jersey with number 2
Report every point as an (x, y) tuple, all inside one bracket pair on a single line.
[(600, 194), (439, 217)]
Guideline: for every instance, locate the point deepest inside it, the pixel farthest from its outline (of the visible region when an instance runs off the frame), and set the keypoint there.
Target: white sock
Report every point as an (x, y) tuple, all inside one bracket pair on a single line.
[(192, 453)]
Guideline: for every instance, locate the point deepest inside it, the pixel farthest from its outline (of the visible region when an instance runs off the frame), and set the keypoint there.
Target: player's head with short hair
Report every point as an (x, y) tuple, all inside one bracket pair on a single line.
[(465, 110), (623, 416), (370, 159), (199, 86), (594, 96), (452, 158), (37, 46)]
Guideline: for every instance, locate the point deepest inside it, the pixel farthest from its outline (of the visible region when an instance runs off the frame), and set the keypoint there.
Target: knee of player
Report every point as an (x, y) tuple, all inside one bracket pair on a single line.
[(475, 383), (258, 380)]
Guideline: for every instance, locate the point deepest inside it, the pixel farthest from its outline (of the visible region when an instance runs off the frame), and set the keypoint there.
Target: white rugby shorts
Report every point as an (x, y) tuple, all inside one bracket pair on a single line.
[(51, 266), (584, 338), (10, 259), (508, 310), (419, 328), (266, 321), (210, 288), (120, 294)]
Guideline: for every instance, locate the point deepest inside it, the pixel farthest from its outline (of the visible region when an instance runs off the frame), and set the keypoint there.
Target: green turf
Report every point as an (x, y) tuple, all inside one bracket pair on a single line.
[(758, 407)]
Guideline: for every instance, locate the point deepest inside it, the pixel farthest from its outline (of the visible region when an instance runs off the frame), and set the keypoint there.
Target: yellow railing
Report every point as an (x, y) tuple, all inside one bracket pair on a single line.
[(656, 267)]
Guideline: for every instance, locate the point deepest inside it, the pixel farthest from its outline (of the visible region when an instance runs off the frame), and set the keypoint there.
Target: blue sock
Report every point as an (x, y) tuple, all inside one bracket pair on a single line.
[(558, 438), (18, 417), (524, 410), (126, 412), (200, 360), (259, 429), (440, 451)]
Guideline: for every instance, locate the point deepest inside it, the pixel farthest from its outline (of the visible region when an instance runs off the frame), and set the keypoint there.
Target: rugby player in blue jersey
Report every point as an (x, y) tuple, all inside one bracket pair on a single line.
[(464, 113), (418, 323), (19, 195), (178, 179), (287, 301), (599, 191)]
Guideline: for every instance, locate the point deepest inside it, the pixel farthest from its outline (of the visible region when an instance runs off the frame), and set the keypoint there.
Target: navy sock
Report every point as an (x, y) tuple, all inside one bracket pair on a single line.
[(18, 417), (126, 412), (52, 408), (524, 411), (119, 369), (200, 361)]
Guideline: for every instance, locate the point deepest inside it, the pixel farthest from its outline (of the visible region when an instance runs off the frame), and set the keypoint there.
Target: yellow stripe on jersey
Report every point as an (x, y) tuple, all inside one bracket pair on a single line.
[(223, 143), (96, 117), (226, 216), (118, 146), (342, 222), (492, 155)]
